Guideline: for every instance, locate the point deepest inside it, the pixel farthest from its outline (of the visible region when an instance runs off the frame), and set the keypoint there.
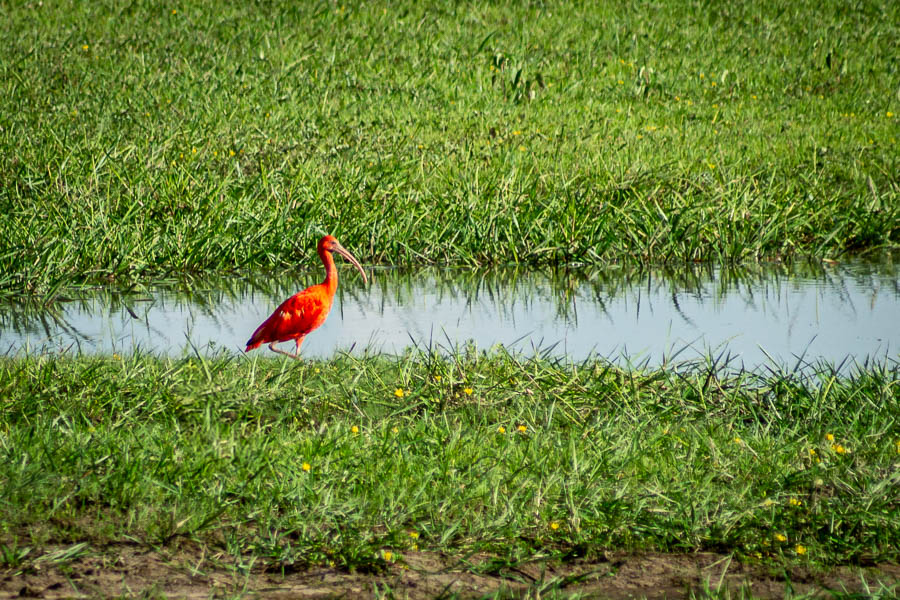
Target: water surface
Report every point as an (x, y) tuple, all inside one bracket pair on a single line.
[(755, 315)]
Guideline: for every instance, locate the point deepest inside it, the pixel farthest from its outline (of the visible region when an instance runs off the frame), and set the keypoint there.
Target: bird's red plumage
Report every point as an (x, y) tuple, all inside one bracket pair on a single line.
[(294, 318)]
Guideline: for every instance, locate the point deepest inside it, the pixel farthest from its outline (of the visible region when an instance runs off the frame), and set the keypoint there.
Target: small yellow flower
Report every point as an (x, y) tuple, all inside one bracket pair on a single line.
[(117, 357), (711, 165), (521, 148), (554, 525), (467, 391), (85, 47), (414, 535), (838, 449), (354, 429), (306, 466), (522, 428), (387, 555), (713, 84), (231, 153), (399, 392), (794, 502), (812, 452), (753, 96), (437, 377), (317, 370), (502, 429), (395, 430), (702, 75), (829, 437), (738, 441), (800, 549), (780, 537), (517, 132), (621, 82), (890, 115), (174, 12)]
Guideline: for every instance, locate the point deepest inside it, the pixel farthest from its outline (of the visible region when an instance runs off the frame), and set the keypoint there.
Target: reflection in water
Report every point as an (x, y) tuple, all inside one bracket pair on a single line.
[(818, 311)]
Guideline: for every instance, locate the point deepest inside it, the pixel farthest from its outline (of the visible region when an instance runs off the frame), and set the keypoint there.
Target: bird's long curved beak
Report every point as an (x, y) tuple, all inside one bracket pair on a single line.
[(346, 254)]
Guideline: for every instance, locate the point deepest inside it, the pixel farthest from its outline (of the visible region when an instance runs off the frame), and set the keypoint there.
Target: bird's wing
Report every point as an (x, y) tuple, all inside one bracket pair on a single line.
[(295, 317)]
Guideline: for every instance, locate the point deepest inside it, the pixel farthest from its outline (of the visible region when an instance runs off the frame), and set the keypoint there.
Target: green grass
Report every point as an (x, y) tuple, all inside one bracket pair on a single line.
[(141, 140), (589, 458)]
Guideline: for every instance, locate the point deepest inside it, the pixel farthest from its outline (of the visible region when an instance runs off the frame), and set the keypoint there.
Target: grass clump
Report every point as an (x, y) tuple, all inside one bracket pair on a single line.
[(140, 140), (344, 460)]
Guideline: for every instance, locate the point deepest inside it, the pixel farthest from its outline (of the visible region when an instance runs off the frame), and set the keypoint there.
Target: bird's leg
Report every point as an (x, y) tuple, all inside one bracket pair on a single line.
[(280, 351), (297, 351)]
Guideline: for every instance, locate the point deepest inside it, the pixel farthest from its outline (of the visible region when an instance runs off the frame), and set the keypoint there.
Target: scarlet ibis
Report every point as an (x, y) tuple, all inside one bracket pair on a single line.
[(306, 310)]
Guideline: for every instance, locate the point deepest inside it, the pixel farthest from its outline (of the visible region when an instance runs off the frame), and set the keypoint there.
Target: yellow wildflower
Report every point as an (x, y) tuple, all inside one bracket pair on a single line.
[(387, 555), (800, 549), (838, 449), (85, 47), (829, 437), (306, 466), (890, 115), (502, 429), (437, 377), (398, 392), (395, 430), (738, 441), (522, 428), (467, 391), (354, 429), (517, 132), (231, 153), (554, 525), (780, 537), (414, 535), (794, 502)]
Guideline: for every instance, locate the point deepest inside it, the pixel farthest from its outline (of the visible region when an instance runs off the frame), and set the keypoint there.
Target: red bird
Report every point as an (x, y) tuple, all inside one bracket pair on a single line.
[(306, 310)]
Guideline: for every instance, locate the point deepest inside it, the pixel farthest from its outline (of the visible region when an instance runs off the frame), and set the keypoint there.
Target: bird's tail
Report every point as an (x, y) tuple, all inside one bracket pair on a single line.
[(256, 340)]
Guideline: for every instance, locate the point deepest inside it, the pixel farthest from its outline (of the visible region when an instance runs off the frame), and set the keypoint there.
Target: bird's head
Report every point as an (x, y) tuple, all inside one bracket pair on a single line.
[(330, 244)]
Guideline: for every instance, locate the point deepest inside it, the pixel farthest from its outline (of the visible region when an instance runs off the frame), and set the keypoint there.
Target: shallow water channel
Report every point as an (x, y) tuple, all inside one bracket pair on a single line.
[(755, 315)]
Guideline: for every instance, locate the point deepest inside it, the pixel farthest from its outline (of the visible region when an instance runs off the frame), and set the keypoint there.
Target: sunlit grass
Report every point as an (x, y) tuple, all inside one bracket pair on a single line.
[(325, 462), (143, 140)]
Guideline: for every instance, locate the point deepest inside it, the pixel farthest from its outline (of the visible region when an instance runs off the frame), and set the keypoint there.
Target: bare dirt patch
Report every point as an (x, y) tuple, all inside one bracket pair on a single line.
[(130, 570)]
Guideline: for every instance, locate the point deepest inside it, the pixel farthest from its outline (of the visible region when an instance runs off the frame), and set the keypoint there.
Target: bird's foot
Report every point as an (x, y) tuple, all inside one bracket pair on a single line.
[(295, 355)]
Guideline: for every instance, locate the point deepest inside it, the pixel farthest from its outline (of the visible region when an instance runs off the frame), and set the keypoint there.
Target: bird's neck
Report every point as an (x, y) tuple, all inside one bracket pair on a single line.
[(331, 276)]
